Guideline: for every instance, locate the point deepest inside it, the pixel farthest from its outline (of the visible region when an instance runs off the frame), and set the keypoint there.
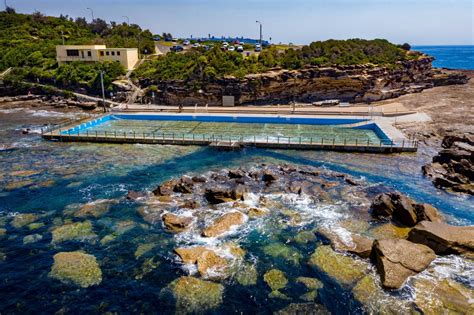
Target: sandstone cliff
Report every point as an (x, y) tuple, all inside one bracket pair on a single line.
[(357, 83)]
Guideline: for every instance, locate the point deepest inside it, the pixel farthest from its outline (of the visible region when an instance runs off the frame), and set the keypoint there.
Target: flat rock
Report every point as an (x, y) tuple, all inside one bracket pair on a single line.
[(176, 223), (443, 238), (224, 224), (77, 268), (398, 259)]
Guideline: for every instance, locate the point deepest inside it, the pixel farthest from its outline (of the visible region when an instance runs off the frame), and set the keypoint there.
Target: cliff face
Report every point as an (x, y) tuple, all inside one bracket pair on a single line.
[(357, 83)]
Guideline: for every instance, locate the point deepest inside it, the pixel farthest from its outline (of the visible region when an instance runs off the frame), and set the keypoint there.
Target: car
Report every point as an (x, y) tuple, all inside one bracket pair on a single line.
[(186, 43), (225, 44), (231, 48), (177, 48), (240, 48), (223, 48), (196, 45), (258, 47)]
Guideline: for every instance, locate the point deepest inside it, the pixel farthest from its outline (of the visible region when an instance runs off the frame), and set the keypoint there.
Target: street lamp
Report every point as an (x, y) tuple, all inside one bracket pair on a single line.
[(260, 31), (128, 20), (92, 13)]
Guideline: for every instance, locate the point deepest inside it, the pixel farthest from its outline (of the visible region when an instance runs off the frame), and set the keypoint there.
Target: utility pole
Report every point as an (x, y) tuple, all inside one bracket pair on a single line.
[(6, 5), (103, 90), (62, 36), (260, 31), (128, 20), (92, 13)]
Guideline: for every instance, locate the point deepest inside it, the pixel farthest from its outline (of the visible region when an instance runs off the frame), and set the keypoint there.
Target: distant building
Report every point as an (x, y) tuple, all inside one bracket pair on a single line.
[(128, 57)]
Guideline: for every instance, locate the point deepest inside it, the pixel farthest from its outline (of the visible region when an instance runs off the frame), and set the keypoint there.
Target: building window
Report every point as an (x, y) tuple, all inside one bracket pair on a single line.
[(107, 53), (72, 53), (89, 53), (118, 53), (102, 53), (113, 53)]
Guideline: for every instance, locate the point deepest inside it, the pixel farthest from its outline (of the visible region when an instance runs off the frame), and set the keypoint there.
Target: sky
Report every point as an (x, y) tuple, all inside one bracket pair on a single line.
[(421, 22)]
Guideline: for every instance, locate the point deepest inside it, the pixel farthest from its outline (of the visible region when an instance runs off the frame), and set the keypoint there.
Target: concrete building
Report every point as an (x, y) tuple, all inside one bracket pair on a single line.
[(128, 57)]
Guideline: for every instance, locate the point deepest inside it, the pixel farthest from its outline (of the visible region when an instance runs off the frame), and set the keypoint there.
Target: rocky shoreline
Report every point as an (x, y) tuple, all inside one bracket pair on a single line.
[(40, 101)]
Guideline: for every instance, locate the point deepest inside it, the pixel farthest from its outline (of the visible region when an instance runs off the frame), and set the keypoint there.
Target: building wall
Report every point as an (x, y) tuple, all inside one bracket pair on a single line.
[(128, 57)]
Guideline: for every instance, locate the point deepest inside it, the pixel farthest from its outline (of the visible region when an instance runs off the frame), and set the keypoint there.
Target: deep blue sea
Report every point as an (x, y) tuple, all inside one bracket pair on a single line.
[(453, 57)]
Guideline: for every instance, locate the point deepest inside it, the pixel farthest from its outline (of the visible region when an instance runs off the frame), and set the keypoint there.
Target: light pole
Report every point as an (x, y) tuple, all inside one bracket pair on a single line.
[(6, 5), (92, 13), (103, 90), (260, 31), (128, 20)]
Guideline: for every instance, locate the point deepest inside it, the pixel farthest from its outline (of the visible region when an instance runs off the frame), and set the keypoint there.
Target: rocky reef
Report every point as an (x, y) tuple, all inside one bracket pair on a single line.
[(453, 167), (355, 83)]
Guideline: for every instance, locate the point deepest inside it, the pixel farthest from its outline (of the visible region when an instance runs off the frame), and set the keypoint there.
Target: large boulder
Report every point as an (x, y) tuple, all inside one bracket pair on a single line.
[(193, 296), (224, 224), (403, 209), (219, 193), (398, 259), (176, 223), (165, 189), (77, 268), (352, 243), (443, 238)]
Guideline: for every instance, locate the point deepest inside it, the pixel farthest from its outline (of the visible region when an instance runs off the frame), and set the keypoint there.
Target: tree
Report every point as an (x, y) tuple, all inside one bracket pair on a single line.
[(10, 10), (406, 47)]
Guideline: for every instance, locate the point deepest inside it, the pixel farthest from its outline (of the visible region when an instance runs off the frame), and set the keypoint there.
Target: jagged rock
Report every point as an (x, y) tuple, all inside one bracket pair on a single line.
[(236, 174), (176, 223), (398, 259), (220, 194), (79, 231), (134, 195), (185, 185), (268, 176), (275, 279), (224, 224), (443, 297), (77, 268), (20, 220), (352, 243), (403, 209), (303, 308), (443, 238), (209, 264), (192, 295), (165, 189), (343, 269)]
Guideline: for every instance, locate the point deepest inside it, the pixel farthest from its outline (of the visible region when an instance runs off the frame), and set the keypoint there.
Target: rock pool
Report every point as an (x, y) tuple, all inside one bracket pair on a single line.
[(70, 240)]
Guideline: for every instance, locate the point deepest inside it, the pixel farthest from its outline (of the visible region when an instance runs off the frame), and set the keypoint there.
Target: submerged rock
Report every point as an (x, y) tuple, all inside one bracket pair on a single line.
[(310, 283), (388, 231), (223, 224), (443, 297), (192, 295), (33, 238), (343, 269), (23, 219), (94, 209), (142, 249), (303, 308), (305, 237), (148, 266), (280, 250), (176, 223), (443, 238), (77, 268), (275, 279), (79, 231), (398, 259), (247, 275), (278, 295)]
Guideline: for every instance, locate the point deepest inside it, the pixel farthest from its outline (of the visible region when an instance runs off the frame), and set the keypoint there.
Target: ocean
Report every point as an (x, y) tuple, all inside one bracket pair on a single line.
[(50, 182), (452, 57)]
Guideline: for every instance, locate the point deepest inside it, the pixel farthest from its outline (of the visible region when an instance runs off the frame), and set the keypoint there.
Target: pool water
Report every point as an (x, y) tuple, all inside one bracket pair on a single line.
[(227, 130)]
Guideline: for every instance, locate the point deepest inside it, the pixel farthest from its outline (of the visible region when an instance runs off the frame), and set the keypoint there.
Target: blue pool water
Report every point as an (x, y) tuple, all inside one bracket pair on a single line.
[(453, 57)]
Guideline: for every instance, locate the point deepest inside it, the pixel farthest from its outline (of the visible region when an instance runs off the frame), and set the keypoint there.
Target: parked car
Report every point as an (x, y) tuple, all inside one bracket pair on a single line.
[(240, 48), (258, 47), (231, 48), (186, 43), (177, 48), (225, 44), (196, 45)]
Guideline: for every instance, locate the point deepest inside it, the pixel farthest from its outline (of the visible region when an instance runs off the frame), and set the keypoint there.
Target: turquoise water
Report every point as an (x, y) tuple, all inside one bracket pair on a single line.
[(453, 57), (51, 179)]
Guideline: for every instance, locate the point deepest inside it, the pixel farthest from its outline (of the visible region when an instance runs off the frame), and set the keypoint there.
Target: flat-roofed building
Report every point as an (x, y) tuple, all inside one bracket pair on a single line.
[(128, 57)]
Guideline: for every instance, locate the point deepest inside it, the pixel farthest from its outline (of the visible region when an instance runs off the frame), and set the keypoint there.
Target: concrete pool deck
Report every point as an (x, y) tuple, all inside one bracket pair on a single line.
[(397, 142)]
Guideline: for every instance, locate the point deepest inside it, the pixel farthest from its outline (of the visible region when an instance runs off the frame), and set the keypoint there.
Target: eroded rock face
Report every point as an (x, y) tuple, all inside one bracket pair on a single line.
[(77, 268), (224, 224), (403, 209), (192, 295), (176, 223), (398, 259), (453, 167), (443, 238)]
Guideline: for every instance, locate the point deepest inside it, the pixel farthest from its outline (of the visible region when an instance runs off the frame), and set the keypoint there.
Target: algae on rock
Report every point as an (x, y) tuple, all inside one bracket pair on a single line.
[(275, 279), (77, 268), (79, 231)]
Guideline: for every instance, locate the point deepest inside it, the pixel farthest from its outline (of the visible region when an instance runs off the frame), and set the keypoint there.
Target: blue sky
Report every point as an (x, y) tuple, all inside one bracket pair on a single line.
[(421, 22)]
